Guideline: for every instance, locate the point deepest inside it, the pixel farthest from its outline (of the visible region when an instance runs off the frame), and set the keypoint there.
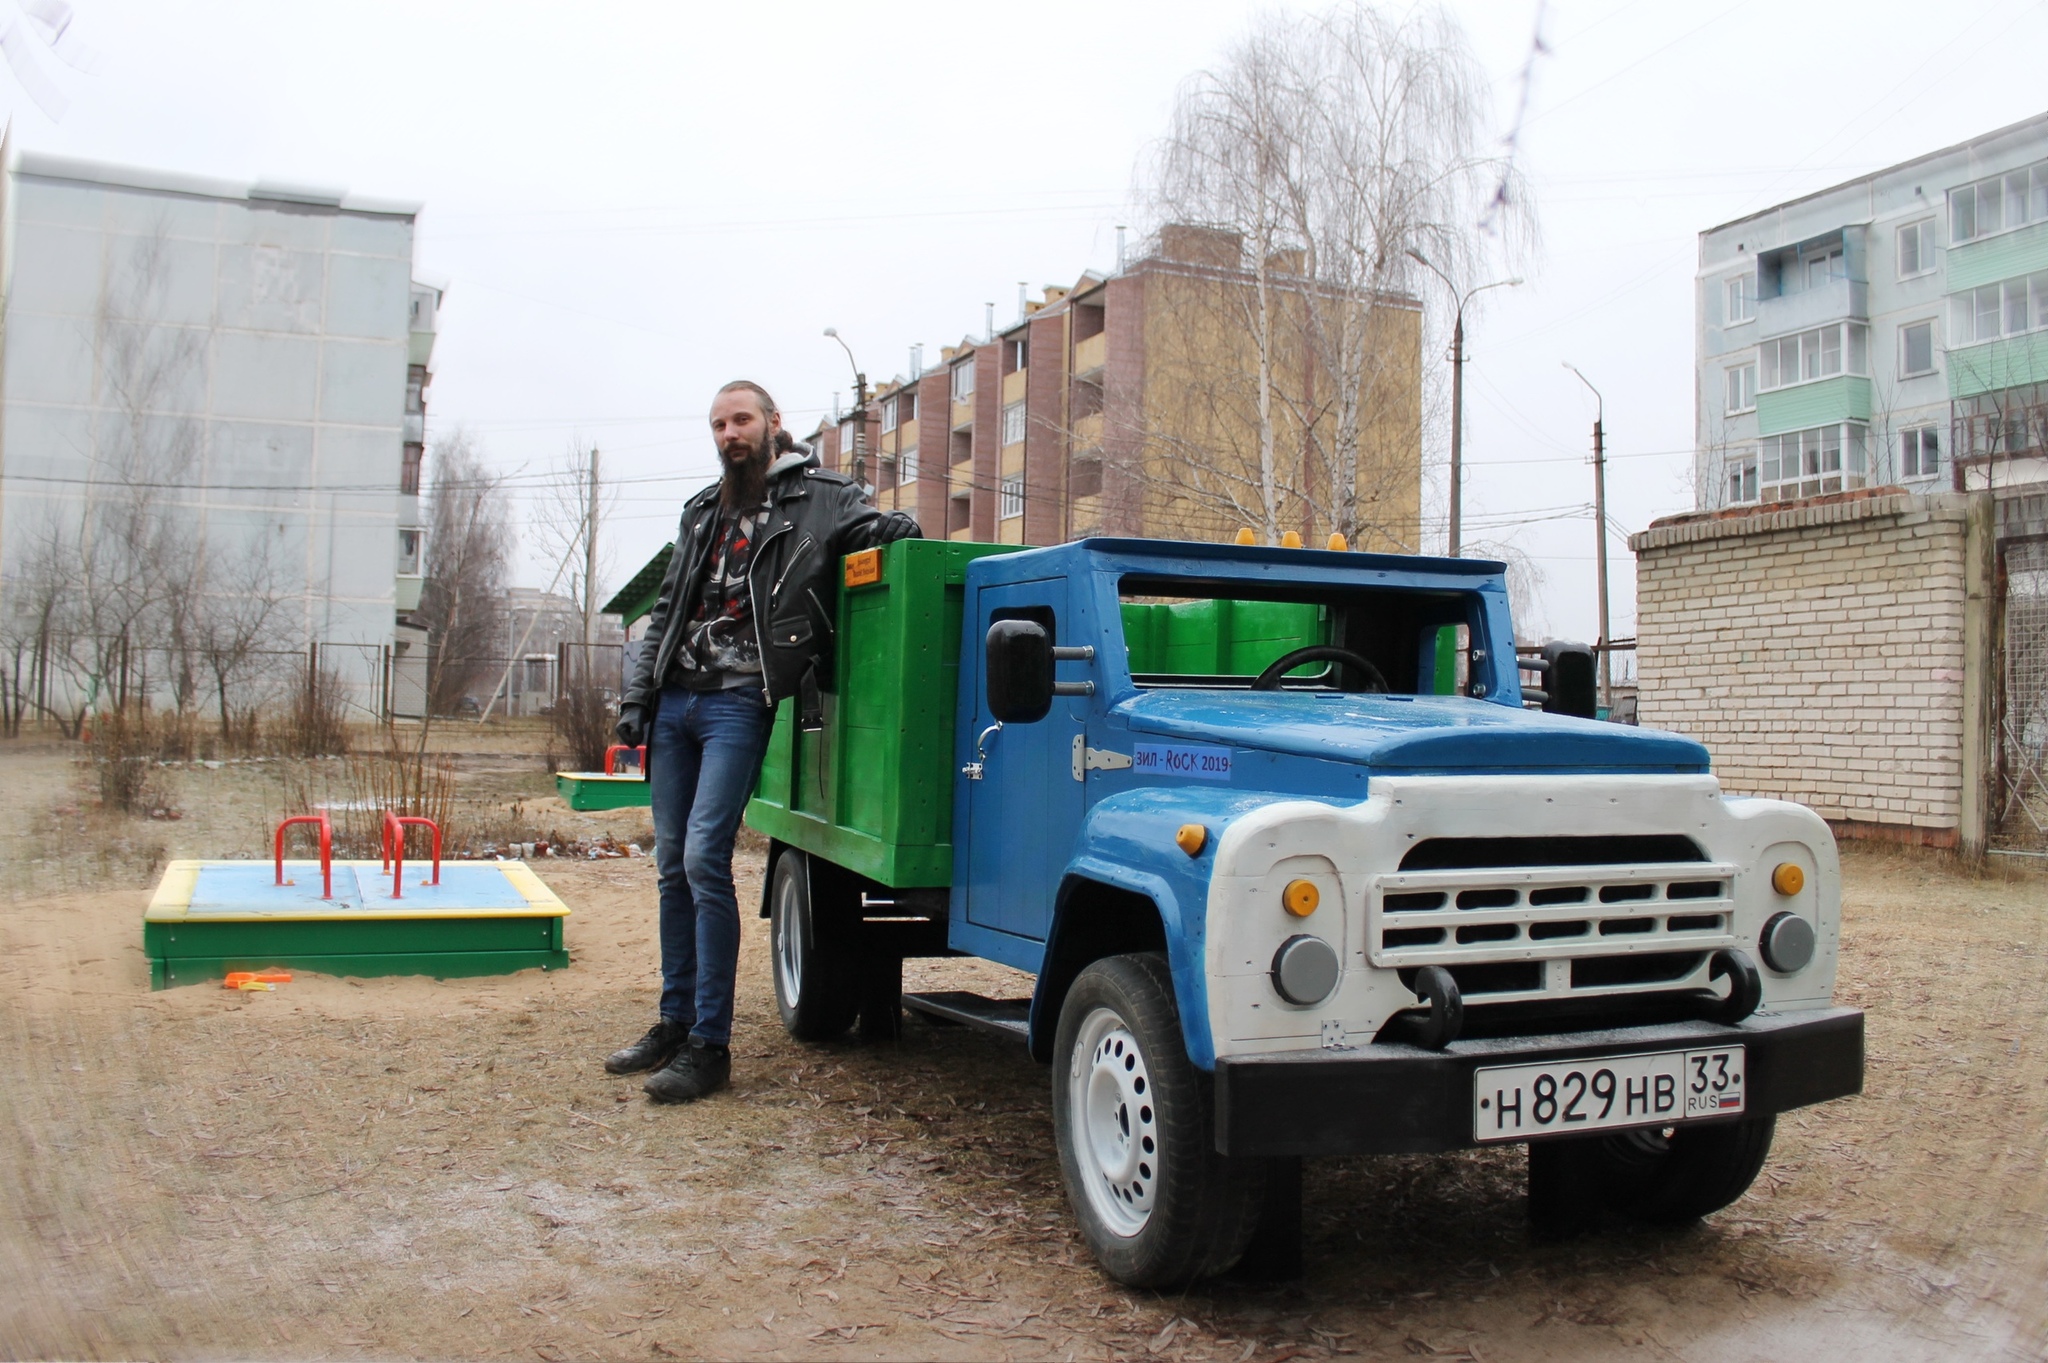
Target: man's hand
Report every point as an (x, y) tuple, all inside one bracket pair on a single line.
[(632, 726)]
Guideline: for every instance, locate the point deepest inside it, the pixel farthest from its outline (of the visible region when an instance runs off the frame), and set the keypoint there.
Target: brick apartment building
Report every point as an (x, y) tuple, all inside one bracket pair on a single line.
[(1124, 406)]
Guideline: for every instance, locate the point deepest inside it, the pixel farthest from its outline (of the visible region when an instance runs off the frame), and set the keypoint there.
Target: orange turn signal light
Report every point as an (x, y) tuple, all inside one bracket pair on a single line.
[(1788, 879), (1301, 897), (1191, 839), (1245, 536)]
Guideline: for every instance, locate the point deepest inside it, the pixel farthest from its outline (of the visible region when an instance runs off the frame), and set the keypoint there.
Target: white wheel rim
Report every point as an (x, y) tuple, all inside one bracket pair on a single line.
[(1115, 1129), (789, 944)]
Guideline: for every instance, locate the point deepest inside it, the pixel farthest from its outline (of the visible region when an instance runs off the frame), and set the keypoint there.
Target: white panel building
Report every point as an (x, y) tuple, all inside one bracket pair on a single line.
[(249, 360)]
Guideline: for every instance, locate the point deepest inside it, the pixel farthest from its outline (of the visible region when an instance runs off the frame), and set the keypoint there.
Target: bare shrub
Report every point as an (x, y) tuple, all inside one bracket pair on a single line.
[(124, 760), (582, 720), (315, 722)]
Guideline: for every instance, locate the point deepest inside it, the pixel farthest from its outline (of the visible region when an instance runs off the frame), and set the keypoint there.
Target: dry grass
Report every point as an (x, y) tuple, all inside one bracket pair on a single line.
[(403, 1167)]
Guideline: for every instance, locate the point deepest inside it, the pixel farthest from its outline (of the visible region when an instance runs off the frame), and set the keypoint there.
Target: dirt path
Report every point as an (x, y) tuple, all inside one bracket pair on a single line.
[(399, 1167)]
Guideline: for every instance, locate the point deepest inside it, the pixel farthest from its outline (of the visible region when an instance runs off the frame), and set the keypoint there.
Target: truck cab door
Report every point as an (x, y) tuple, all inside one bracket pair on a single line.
[(1025, 811)]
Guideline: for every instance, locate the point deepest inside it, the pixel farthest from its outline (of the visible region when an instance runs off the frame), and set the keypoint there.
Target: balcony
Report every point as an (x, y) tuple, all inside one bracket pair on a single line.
[(1835, 301), (406, 592), (1090, 354)]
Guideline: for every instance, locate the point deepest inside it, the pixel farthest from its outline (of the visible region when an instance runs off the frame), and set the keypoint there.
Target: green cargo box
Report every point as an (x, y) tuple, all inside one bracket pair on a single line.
[(589, 790), (873, 791)]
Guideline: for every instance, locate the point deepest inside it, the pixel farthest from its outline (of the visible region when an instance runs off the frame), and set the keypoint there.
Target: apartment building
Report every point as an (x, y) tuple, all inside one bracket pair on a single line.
[(246, 364), (1125, 405), (1855, 615), (1889, 330)]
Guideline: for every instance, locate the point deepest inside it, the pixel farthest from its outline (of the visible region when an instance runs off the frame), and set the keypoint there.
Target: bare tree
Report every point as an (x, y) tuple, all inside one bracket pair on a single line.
[(469, 540), (235, 608), (1331, 150), (567, 522)]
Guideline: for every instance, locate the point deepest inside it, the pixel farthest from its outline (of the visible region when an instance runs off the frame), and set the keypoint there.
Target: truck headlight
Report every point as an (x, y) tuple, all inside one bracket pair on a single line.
[(1305, 969), (1786, 942)]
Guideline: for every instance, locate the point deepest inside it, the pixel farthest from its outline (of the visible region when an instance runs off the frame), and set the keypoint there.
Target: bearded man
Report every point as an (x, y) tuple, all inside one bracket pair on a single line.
[(744, 620)]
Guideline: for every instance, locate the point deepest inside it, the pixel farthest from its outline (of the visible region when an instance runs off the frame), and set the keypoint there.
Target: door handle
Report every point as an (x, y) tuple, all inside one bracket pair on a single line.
[(973, 770)]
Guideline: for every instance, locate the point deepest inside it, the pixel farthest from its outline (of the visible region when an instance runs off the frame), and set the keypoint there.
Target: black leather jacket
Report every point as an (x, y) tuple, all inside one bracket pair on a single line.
[(815, 519)]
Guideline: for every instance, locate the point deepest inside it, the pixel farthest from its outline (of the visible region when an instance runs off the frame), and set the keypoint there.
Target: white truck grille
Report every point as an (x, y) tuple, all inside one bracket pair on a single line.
[(1603, 929)]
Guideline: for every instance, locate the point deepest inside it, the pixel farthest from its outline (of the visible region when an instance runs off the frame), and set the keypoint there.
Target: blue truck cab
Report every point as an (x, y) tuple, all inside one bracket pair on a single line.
[(1303, 867)]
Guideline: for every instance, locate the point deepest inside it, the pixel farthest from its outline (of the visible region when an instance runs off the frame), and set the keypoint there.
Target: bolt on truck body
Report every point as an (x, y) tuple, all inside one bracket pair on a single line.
[(1298, 872)]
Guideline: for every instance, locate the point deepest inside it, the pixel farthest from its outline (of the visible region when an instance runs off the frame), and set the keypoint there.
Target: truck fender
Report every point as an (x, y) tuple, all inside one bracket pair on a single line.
[(1105, 908)]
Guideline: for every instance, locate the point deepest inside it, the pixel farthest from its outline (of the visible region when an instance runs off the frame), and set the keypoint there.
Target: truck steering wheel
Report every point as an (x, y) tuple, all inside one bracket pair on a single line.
[(1269, 680)]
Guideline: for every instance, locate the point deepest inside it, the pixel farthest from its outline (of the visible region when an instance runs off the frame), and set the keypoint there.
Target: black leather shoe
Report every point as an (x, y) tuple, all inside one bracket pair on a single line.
[(650, 1052), (697, 1070)]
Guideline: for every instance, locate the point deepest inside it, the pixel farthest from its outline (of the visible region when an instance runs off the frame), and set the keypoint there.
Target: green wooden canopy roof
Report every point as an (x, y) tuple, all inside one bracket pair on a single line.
[(637, 597)]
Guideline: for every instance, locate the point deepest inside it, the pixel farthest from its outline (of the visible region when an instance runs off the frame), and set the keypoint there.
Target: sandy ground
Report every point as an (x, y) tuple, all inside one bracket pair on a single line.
[(397, 1167)]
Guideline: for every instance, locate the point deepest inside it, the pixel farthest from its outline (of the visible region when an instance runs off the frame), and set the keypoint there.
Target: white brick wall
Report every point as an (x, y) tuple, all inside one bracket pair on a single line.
[(1817, 651)]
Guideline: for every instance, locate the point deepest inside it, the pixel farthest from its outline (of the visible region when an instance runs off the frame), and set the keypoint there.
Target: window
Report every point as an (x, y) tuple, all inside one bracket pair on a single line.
[(1811, 463), (1012, 496), (963, 381), (906, 406), (1818, 354), (1741, 298), (408, 551), (1916, 248), (409, 468), (1920, 452), (1916, 349), (1741, 388), (958, 513), (2007, 422), (1998, 203), (907, 465), (1823, 265), (2007, 308), (1013, 423), (889, 416), (1742, 477), (847, 430), (1016, 355)]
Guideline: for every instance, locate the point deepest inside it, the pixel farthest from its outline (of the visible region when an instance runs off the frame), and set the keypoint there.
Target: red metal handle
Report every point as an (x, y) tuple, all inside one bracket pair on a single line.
[(326, 849), (611, 755), (394, 848)]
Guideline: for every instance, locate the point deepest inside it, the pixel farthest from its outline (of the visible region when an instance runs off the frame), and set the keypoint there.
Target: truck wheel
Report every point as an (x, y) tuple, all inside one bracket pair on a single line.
[(816, 979), (1659, 1177), (1135, 1125), (1677, 1175)]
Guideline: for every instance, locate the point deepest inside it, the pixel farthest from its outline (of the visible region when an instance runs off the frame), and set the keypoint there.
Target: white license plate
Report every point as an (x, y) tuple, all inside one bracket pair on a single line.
[(1514, 1102)]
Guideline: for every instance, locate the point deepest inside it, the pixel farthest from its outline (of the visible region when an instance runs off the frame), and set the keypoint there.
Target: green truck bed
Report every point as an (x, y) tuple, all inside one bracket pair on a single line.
[(873, 791)]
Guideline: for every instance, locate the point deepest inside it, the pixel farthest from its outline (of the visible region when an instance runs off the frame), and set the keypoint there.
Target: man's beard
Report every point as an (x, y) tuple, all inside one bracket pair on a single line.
[(746, 475)]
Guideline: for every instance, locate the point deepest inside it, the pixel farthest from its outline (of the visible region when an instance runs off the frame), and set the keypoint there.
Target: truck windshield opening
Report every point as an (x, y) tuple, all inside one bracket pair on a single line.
[(1180, 633)]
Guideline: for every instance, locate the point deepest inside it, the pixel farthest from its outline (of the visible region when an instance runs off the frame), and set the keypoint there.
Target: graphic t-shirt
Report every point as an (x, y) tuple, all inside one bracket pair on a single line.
[(721, 648)]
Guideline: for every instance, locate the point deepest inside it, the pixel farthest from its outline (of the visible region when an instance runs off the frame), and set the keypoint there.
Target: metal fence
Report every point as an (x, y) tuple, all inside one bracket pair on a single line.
[(2020, 806)]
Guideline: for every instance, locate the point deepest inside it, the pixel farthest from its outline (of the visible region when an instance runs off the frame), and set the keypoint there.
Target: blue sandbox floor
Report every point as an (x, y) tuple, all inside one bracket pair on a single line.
[(250, 887)]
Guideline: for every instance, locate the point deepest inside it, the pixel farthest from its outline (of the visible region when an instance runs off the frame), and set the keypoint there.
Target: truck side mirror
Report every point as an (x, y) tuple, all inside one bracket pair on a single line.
[(1571, 685), (1019, 671)]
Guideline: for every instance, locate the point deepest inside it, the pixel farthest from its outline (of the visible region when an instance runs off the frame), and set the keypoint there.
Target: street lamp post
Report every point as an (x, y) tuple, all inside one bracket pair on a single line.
[(1455, 541), (860, 414), (1600, 532)]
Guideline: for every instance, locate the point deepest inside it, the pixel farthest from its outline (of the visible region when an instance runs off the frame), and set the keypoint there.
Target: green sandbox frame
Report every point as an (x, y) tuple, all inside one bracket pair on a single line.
[(593, 790), (194, 947)]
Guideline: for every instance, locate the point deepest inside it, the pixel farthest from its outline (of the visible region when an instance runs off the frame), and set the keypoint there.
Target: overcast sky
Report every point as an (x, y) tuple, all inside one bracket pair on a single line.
[(631, 203)]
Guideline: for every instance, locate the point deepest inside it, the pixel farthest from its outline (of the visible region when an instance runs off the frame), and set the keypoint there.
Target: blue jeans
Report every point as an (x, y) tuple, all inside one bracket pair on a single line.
[(703, 759)]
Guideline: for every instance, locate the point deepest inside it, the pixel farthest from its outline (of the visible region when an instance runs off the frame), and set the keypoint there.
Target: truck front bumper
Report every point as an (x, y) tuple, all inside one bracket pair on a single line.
[(1396, 1099)]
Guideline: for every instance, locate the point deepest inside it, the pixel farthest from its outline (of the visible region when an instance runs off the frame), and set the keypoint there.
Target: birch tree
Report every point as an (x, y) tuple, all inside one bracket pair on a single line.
[(1332, 147)]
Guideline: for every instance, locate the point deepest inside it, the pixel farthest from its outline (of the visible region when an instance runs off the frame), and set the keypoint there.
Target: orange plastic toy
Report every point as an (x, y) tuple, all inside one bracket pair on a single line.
[(256, 979)]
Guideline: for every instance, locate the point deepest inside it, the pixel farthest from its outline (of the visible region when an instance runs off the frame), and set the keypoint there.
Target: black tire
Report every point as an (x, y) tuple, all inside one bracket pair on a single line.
[(1673, 1179), (1160, 1215), (817, 978), (1668, 1176)]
